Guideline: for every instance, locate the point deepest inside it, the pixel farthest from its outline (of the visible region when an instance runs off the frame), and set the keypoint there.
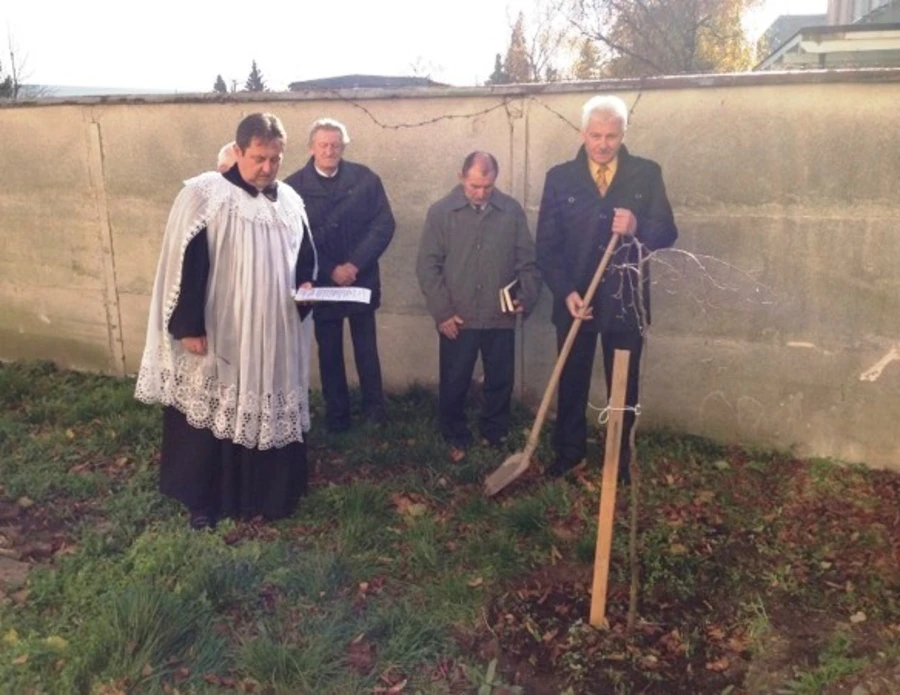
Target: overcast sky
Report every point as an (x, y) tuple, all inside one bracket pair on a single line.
[(182, 45)]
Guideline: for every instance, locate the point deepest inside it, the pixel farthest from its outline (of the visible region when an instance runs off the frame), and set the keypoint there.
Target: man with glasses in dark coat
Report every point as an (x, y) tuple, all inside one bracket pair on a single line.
[(352, 225)]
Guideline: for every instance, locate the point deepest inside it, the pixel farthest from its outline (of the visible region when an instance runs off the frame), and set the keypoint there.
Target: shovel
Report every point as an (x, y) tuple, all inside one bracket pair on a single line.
[(518, 463)]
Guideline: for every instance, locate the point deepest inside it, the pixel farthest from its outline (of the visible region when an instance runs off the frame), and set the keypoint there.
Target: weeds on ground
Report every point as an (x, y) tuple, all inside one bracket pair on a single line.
[(396, 574)]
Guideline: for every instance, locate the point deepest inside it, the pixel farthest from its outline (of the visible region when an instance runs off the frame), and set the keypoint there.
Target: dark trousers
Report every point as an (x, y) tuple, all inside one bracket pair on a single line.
[(457, 362), (219, 478), (570, 433), (330, 337)]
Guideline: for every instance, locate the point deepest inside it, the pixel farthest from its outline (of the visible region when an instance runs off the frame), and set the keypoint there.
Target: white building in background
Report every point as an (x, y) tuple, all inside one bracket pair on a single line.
[(857, 33), (851, 11)]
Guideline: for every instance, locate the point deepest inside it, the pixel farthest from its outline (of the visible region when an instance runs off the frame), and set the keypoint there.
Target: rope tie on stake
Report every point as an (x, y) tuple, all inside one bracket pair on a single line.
[(603, 417)]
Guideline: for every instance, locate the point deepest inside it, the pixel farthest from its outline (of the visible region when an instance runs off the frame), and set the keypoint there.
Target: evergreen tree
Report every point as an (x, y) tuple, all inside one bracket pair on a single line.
[(499, 76), (6, 85), (220, 85), (517, 66), (255, 81)]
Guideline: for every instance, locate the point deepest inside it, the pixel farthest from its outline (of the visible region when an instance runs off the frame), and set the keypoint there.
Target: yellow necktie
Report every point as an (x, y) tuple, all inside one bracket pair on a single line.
[(602, 183)]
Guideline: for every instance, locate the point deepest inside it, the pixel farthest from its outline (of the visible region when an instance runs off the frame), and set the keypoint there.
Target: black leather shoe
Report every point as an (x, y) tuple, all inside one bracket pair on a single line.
[(560, 467), (201, 520)]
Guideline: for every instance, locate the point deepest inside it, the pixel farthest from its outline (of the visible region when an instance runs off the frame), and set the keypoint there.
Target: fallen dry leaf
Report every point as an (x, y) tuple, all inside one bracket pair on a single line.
[(67, 549), (716, 632), (718, 665), (650, 661), (555, 555), (739, 643), (361, 656), (57, 643), (408, 505)]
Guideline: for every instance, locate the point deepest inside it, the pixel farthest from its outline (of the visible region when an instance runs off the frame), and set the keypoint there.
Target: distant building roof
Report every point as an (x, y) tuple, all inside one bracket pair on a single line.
[(785, 26), (844, 46), (364, 82)]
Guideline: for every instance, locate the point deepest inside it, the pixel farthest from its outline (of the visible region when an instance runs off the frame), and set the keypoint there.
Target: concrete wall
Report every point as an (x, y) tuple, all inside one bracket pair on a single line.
[(783, 293)]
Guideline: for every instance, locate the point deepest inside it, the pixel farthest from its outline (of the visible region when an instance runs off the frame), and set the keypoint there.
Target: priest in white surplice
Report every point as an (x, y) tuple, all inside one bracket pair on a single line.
[(227, 349)]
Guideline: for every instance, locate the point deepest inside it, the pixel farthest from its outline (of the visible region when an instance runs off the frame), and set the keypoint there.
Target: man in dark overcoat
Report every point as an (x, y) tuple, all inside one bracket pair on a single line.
[(604, 191), (352, 225)]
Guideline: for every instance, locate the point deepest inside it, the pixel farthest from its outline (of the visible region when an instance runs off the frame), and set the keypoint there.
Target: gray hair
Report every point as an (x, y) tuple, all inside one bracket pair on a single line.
[(605, 106), (329, 124), (227, 156)]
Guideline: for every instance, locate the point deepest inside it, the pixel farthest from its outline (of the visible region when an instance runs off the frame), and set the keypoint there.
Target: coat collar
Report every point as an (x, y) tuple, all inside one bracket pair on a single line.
[(233, 175), (583, 171), (458, 199), (314, 183)]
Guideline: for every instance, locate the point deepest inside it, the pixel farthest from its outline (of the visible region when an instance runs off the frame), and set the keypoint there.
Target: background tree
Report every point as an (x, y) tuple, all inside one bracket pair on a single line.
[(587, 65), (537, 46), (516, 65), (499, 75), (423, 67), (665, 37), (255, 81), (13, 85), (6, 85), (220, 85)]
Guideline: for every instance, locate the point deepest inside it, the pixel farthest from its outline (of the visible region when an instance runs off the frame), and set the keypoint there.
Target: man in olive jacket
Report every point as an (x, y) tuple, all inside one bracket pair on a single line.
[(352, 225), (476, 241), (604, 191)]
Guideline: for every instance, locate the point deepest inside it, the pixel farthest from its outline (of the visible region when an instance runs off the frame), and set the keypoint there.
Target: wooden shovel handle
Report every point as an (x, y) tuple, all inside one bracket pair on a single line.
[(566, 349)]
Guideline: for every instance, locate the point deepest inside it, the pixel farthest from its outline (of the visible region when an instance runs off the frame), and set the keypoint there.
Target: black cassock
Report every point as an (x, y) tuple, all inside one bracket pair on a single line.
[(217, 477)]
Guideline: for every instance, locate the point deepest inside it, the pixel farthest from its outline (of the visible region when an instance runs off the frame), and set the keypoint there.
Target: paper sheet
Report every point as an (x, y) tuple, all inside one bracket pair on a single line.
[(334, 294)]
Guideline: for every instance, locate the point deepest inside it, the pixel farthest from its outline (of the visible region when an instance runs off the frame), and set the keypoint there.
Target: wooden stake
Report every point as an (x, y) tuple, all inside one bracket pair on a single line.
[(608, 487)]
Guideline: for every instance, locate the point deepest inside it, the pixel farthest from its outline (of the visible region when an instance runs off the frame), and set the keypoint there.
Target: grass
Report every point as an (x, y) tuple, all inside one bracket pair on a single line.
[(397, 573), (833, 664)]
